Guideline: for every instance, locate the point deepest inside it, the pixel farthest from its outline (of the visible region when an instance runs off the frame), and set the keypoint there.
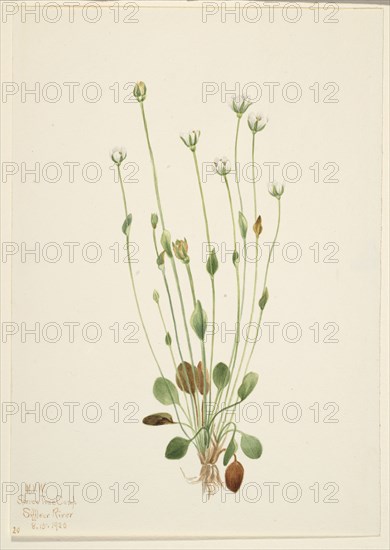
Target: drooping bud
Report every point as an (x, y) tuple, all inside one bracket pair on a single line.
[(118, 155), (240, 104), (180, 248), (139, 91), (276, 190), (264, 299), (200, 381), (186, 378), (154, 220), (190, 139), (257, 122), (258, 227), (222, 166), (166, 242), (212, 263), (161, 260), (234, 474)]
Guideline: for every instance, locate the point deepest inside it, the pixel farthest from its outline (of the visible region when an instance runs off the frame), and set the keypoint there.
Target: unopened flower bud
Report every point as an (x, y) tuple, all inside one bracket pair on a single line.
[(180, 248), (257, 122), (118, 155), (139, 91), (156, 296), (161, 260), (222, 166), (190, 139), (276, 190), (240, 104), (154, 220), (258, 227)]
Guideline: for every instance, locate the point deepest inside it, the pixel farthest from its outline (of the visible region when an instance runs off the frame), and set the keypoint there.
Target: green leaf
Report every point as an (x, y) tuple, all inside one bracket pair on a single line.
[(168, 339), (221, 375), (166, 242), (248, 385), (126, 225), (242, 222), (231, 449), (158, 419), (264, 299), (199, 321), (251, 446), (212, 263), (165, 392), (177, 448)]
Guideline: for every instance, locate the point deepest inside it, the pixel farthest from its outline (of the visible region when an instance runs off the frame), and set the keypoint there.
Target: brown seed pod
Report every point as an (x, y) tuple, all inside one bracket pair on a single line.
[(258, 227), (186, 378), (234, 474), (200, 379)]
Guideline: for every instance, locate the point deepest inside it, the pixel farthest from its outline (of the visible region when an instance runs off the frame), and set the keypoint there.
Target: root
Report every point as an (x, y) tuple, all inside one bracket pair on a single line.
[(209, 474)]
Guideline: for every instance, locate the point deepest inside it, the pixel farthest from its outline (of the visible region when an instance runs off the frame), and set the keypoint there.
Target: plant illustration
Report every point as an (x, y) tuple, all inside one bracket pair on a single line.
[(202, 390)]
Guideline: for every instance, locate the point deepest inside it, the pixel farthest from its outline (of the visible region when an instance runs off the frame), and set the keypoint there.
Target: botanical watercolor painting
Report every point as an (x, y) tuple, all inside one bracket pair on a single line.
[(200, 387)]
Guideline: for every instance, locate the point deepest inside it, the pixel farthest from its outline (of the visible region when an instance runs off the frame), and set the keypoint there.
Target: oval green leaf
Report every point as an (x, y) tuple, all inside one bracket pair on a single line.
[(177, 448), (248, 385), (251, 446), (231, 449), (165, 392), (221, 375)]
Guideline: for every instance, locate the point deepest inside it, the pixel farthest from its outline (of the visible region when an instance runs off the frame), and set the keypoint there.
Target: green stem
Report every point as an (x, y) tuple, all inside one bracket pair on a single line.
[(237, 176), (137, 300), (157, 192), (203, 350), (256, 264), (195, 416), (211, 276), (189, 273), (155, 179), (265, 284)]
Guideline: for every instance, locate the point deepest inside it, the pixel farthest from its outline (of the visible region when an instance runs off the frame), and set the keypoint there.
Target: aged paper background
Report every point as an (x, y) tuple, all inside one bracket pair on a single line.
[(332, 452)]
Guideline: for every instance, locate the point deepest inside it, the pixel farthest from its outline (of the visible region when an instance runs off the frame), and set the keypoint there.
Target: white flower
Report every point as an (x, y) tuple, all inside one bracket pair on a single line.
[(240, 104), (118, 155), (276, 190), (257, 122), (190, 138), (222, 166)]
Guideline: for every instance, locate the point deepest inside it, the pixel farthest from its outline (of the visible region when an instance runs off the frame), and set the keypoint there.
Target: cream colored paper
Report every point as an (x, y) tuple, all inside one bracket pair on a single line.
[(318, 397)]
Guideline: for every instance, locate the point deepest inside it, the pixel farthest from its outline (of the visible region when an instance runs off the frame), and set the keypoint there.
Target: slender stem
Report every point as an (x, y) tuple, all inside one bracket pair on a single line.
[(237, 175), (211, 276), (265, 284), (176, 275), (138, 304), (253, 176), (157, 192), (190, 278), (203, 350), (237, 336), (256, 261), (166, 332), (155, 178)]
